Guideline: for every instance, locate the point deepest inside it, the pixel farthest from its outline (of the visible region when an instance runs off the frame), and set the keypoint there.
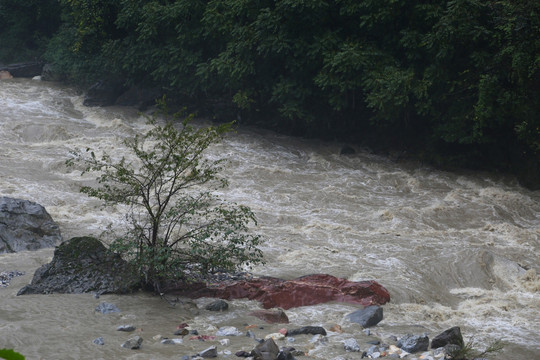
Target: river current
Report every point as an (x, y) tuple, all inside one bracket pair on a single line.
[(453, 249)]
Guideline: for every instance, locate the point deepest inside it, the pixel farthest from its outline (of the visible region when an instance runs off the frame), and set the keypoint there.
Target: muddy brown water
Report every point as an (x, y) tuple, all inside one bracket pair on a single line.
[(453, 249)]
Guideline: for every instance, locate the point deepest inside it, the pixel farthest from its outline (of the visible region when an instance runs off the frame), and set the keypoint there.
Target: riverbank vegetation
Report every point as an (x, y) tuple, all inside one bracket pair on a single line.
[(177, 228), (454, 83)]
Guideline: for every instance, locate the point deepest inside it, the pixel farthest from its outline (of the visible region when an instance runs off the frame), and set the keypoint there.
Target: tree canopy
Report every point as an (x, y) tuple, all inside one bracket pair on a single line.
[(455, 81)]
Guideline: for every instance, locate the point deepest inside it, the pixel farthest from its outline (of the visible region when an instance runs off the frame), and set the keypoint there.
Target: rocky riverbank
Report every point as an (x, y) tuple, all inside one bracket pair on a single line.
[(275, 341)]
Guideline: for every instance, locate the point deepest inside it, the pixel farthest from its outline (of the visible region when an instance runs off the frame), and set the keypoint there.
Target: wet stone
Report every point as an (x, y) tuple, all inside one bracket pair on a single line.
[(126, 328), (450, 336), (228, 331), (107, 308), (133, 343), (368, 316), (351, 345), (218, 305), (413, 343), (211, 352), (313, 330)]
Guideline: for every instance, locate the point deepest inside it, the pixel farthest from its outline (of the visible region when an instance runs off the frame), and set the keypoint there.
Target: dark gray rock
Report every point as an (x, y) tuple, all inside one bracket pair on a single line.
[(82, 265), (133, 343), (26, 225), (139, 97), (351, 345), (107, 308), (211, 352), (413, 343), (50, 73), (313, 330), (26, 69), (126, 328), (218, 305), (104, 93), (285, 355), (450, 336), (267, 350), (368, 316)]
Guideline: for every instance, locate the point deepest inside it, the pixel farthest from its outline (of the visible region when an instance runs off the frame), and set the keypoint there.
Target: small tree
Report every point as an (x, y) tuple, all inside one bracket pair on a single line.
[(177, 226)]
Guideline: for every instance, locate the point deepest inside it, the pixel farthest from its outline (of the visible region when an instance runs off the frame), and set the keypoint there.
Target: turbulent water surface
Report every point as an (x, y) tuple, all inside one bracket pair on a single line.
[(452, 249)]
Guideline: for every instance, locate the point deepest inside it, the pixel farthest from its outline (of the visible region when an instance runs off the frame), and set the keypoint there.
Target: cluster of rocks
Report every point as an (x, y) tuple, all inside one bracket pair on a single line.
[(6, 276), (111, 91), (277, 345)]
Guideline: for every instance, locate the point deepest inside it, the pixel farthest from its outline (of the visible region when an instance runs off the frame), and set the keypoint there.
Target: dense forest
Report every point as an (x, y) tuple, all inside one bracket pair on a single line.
[(454, 83)]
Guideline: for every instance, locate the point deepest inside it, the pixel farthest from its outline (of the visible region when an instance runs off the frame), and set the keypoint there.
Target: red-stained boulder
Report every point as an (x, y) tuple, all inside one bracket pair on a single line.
[(305, 290)]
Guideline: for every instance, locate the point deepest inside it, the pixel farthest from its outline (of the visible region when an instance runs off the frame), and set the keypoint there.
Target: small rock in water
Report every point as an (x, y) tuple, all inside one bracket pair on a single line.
[(6, 276), (275, 336), (351, 345), (270, 316), (266, 350), (99, 341), (368, 316), (313, 330), (450, 336), (107, 308), (181, 332), (172, 341), (133, 343), (242, 353), (211, 352), (126, 328), (218, 305), (413, 343), (228, 331), (319, 340)]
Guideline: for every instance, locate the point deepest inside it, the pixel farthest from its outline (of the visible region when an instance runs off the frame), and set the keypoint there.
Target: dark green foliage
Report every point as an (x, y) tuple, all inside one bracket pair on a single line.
[(453, 80), (25, 27), (177, 227), (9, 354)]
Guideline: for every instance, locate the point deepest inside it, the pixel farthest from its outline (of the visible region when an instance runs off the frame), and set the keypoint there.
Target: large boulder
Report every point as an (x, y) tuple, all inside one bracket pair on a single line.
[(26, 225), (27, 69), (303, 291), (368, 316), (104, 92), (51, 73), (82, 265), (139, 97)]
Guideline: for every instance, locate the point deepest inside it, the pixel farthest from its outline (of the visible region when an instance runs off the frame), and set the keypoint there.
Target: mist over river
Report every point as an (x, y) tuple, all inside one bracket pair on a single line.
[(453, 249)]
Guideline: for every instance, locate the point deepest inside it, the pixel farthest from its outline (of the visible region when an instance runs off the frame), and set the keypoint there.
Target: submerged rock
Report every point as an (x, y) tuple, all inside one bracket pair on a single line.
[(218, 305), (26, 225), (303, 291), (272, 317), (82, 265), (107, 308)]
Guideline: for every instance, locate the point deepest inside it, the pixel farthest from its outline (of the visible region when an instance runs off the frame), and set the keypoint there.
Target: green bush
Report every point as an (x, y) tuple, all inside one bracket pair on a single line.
[(177, 226)]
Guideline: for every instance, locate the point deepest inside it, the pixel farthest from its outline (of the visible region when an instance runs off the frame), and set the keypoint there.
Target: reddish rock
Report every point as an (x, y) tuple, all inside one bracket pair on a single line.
[(271, 317), (305, 290)]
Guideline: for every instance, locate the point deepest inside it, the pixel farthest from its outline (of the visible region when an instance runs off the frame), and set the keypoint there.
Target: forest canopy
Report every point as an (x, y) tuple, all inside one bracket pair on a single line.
[(452, 82)]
